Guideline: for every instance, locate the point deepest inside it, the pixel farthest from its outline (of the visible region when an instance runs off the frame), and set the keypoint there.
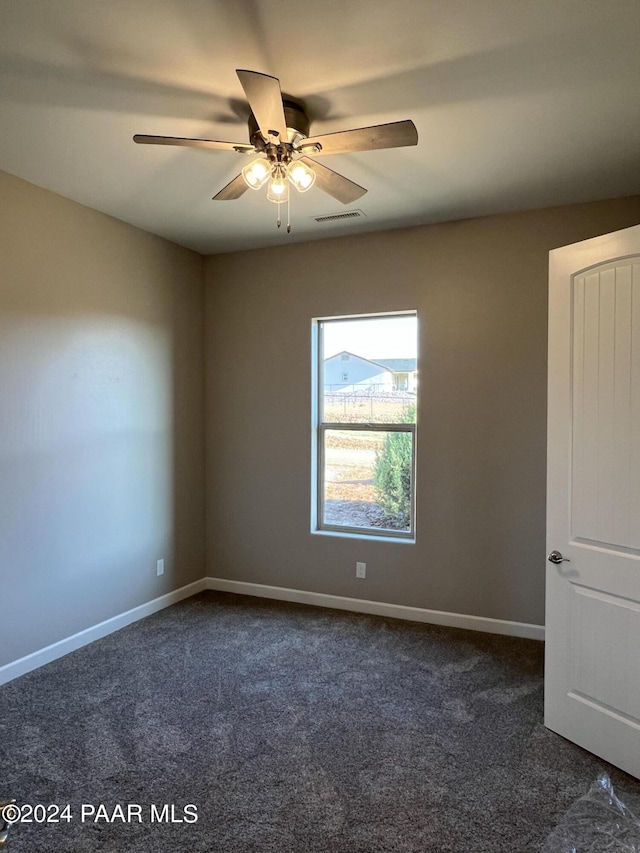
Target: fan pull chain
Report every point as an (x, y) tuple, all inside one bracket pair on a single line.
[(289, 214), (279, 221)]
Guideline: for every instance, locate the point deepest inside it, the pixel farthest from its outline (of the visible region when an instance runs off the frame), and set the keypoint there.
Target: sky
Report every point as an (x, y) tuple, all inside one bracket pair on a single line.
[(382, 337)]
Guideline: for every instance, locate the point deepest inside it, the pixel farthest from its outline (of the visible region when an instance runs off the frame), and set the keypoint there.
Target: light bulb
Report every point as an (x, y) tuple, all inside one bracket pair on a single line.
[(278, 191), (256, 173), (301, 176)]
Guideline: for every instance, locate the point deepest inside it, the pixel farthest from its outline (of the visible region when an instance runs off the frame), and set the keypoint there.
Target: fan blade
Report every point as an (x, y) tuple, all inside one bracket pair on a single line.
[(265, 99), (234, 189), (336, 185), (242, 147), (396, 134)]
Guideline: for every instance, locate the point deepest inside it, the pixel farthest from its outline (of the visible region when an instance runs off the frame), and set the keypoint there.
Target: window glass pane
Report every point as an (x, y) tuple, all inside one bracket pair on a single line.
[(369, 372), (367, 479), (369, 407)]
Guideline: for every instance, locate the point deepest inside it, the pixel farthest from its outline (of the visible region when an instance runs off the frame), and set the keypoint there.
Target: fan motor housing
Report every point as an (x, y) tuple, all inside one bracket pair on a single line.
[(295, 117)]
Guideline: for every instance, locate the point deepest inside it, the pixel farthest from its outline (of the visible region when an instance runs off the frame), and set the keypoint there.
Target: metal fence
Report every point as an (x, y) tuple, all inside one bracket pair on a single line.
[(367, 405)]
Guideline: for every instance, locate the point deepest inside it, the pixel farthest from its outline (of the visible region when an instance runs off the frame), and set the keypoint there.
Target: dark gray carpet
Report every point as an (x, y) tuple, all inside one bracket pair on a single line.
[(292, 729)]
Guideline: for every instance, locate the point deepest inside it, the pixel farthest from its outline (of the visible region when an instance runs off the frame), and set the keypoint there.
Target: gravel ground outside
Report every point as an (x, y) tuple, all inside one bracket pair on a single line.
[(350, 492)]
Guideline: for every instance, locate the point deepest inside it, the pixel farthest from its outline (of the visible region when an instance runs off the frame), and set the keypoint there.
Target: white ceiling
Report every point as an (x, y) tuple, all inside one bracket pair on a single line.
[(518, 104)]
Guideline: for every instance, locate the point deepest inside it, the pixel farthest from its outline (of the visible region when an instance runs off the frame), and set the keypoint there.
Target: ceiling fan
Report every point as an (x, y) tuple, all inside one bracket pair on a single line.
[(279, 136)]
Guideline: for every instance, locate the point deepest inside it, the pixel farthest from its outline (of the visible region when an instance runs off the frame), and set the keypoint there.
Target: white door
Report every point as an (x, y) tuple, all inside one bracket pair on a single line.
[(592, 677)]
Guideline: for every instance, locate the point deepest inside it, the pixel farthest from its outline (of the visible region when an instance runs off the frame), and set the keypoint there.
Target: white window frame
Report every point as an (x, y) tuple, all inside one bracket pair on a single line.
[(320, 427)]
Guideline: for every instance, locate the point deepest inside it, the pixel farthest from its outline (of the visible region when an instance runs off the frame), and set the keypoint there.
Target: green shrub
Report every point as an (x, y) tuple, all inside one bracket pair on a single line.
[(393, 474)]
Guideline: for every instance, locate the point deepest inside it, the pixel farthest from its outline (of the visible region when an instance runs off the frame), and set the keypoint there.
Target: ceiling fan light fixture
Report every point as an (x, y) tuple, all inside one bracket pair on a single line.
[(256, 173), (279, 138), (278, 190), (301, 176)]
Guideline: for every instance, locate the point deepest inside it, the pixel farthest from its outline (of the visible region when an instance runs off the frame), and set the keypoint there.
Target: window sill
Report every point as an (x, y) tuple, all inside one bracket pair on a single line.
[(370, 537)]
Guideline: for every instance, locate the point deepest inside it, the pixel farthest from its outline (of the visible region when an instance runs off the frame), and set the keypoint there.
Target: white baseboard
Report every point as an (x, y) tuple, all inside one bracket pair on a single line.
[(337, 602), (381, 608), (83, 638)]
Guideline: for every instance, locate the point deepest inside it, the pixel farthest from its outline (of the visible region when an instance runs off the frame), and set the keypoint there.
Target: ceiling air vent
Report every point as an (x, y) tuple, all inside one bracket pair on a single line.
[(337, 217)]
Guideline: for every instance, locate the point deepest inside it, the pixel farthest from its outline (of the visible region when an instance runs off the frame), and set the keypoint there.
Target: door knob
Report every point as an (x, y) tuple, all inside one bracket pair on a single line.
[(556, 557)]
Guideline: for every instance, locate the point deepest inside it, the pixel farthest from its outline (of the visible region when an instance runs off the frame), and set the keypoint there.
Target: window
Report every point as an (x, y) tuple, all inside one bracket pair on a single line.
[(364, 436)]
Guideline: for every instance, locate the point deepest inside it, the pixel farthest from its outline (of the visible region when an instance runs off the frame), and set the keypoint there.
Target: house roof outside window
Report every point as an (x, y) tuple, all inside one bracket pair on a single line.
[(398, 365)]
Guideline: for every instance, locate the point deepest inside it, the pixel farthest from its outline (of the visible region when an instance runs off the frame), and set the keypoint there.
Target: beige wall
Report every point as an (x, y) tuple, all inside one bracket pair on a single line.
[(102, 413), (101, 417), (480, 288)]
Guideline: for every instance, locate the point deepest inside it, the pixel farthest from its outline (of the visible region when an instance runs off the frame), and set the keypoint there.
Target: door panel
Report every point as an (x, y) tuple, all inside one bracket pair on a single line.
[(592, 690), (605, 500)]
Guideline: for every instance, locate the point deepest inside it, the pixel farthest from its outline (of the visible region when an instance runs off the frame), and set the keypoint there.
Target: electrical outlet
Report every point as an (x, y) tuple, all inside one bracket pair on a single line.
[(361, 570), (160, 567)]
